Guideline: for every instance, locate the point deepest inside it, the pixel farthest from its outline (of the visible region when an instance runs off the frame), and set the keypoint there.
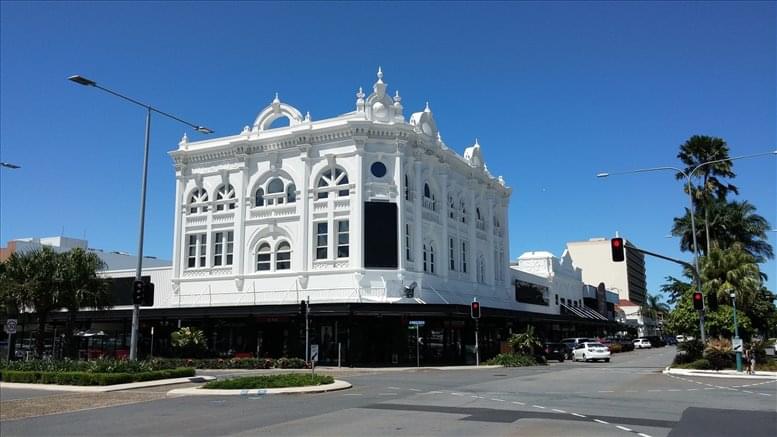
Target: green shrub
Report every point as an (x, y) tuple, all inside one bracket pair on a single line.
[(289, 363), (616, 347), (512, 360), (719, 353), (271, 381), (89, 378), (694, 349)]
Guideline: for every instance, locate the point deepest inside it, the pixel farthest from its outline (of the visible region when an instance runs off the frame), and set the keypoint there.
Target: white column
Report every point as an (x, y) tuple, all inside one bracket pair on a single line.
[(444, 250), (488, 221), (471, 232), (304, 247), (356, 224), (243, 207), (419, 220), (179, 212), (399, 176)]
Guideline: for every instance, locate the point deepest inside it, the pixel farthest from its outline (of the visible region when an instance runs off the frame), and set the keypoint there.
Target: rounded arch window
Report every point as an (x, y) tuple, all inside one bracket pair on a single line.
[(226, 198), (263, 258), (283, 256), (259, 197), (291, 193), (198, 196), (275, 186), (378, 169)]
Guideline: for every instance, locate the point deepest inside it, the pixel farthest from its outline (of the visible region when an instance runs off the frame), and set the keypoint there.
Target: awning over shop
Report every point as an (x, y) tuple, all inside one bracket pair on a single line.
[(583, 312)]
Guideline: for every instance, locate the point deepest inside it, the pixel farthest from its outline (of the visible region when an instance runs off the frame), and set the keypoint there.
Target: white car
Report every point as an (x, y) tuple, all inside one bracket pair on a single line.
[(642, 343), (591, 351), (680, 338)]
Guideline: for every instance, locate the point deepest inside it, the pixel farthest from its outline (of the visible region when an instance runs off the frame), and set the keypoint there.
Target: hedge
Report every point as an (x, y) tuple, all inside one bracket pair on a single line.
[(110, 365), (234, 363), (271, 381), (513, 360), (88, 378)]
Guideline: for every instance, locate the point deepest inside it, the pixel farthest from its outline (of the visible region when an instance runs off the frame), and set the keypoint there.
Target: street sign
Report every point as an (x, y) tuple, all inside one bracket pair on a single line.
[(314, 353), (416, 323), (10, 326), (737, 345)]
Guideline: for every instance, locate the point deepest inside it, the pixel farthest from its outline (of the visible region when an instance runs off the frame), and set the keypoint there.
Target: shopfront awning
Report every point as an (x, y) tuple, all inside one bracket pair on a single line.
[(583, 312)]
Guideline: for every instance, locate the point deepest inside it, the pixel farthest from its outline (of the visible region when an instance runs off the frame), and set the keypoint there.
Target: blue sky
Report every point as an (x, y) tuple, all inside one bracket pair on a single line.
[(555, 92)]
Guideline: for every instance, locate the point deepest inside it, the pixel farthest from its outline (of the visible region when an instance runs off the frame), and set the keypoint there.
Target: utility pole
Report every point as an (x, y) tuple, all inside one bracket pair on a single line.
[(307, 330)]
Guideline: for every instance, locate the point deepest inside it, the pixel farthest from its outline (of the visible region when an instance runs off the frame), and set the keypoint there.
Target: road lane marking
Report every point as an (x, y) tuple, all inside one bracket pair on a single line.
[(578, 415), (457, 394), (498, 400), (559, 411), (747, 391), (606, 391), (601, 421), (623, 428), (640, 434), (674, 389), (414, 389), (518, 403), (654, 390), (393, 388), (387, 394), (764, 394), (433, 392), (538, 406), (692, 389)]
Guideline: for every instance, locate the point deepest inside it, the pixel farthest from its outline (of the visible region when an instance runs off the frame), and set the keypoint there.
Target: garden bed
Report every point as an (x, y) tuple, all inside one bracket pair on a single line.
[(270, 381), (90, 378)]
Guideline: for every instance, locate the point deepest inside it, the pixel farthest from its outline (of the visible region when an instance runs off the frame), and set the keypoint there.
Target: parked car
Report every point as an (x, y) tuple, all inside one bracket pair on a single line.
[(554, 351), (572, 342), (669, 340), (642, 343), (656, 341), (591, 351), (680, 338)]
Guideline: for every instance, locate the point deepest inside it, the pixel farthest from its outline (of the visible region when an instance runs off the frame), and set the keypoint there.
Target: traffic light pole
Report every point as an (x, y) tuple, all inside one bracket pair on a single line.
[(307, 329), (477, 346), (694, 269)]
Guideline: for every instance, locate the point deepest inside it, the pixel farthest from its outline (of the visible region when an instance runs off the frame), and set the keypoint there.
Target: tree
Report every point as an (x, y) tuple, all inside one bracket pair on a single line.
[(30, 283), (725, 271), (730, 222), (676, 288), (700, 149), (81, 287), (188, 341), (655, 306)]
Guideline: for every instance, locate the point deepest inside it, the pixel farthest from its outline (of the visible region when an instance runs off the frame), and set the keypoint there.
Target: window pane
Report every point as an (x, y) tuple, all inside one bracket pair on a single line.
[(342, 226), (342, 238), (321, 227), (229, 259), (275, 186), (323, 195), (321, 253), (342, 251), (321, 240)]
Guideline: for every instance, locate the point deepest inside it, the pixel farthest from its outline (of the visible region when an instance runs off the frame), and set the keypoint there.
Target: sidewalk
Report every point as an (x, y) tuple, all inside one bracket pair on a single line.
[(106, 388), (720, 373)]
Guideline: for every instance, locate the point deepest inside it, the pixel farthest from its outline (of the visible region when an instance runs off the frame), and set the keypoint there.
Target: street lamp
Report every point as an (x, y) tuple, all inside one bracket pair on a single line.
[(149, 109), (737, 340), (688, 177), (9, 165)]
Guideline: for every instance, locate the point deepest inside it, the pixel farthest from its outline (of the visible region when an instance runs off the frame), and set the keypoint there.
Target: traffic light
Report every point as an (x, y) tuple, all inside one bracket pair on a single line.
[(138, 292), (148, 295), (474, 310), (616, 244), (303, 307), (698, 301), (712, 302)]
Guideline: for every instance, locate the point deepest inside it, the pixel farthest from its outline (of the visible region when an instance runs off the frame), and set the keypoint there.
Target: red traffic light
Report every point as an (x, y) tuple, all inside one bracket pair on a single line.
[(616, 244), (475, 310), (698, 301)]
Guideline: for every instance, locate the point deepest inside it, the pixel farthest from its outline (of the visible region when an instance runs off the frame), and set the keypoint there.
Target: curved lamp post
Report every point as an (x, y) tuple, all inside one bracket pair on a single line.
[(688, 178), (736, 330), (133, 355)]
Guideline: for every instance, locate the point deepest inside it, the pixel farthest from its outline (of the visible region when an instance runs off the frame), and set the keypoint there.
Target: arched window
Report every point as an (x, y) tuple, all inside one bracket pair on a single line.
[(429, 199), (275, 186), (477, 211), (463, 212), (259, 197), (451, 208), (197, 201), (431, 258), (427, 191), (225, 196), (425, 255), (407, 187), (332, 180), (291, 194), (263, 258), (283, 256)]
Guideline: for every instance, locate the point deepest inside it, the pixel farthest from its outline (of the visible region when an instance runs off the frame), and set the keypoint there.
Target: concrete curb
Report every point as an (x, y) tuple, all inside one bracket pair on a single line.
[(106, 388), (199, 391), (720, 374), (354, 369)]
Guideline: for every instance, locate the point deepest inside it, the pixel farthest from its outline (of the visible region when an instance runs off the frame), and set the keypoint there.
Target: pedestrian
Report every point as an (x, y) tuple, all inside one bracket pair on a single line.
[(752, 361), (747, 361)]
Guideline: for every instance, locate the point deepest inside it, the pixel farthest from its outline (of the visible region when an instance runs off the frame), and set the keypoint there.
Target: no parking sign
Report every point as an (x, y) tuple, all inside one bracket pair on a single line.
[(10, 326)]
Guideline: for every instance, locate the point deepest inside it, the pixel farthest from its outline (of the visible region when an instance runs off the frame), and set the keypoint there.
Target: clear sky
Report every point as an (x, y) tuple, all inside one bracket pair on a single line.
[(555, 92)]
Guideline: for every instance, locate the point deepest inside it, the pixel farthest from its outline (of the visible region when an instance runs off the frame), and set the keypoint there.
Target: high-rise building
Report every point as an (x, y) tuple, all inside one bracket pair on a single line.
[(594, 257)]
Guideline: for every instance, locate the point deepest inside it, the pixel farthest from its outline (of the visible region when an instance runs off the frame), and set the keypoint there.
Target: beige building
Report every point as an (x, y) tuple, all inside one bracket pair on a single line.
[(627, 278)]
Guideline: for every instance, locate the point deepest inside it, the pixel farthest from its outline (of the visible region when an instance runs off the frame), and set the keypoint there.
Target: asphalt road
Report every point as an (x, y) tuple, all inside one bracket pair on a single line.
[(628, 396)]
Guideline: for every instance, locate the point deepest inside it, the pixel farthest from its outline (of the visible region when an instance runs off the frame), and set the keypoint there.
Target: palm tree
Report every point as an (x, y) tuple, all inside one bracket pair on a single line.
[(29, 282), (80, 287), (731, 222), (700, 149), (525, 342), (724, 271), (655, 306)]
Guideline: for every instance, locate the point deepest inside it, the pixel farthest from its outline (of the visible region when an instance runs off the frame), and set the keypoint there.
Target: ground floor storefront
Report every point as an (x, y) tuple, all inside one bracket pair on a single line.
[(345, 334)]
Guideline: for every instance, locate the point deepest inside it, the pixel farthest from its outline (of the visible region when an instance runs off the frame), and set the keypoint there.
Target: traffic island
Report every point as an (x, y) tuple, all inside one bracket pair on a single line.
[(265, 385), (719, 373)]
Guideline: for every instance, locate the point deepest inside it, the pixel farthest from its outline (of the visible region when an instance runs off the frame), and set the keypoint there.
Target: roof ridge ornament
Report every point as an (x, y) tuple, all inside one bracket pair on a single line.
[(380, 86), (360, 100), (427, 109)]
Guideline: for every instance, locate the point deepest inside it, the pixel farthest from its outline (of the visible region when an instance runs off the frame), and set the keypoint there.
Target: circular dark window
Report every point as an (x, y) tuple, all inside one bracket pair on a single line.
[(378, 169)]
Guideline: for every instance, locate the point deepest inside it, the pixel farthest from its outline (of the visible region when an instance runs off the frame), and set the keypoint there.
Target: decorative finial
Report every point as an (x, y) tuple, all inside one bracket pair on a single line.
[(397, 97), (360, 100), (380, 73), (477, 144), (307, 116), (427, 109), (185, 138), (246, 129), (276, 99)]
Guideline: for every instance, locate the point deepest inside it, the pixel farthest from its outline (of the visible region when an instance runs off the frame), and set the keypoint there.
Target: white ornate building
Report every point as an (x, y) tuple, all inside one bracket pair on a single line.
[(352, 208)]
